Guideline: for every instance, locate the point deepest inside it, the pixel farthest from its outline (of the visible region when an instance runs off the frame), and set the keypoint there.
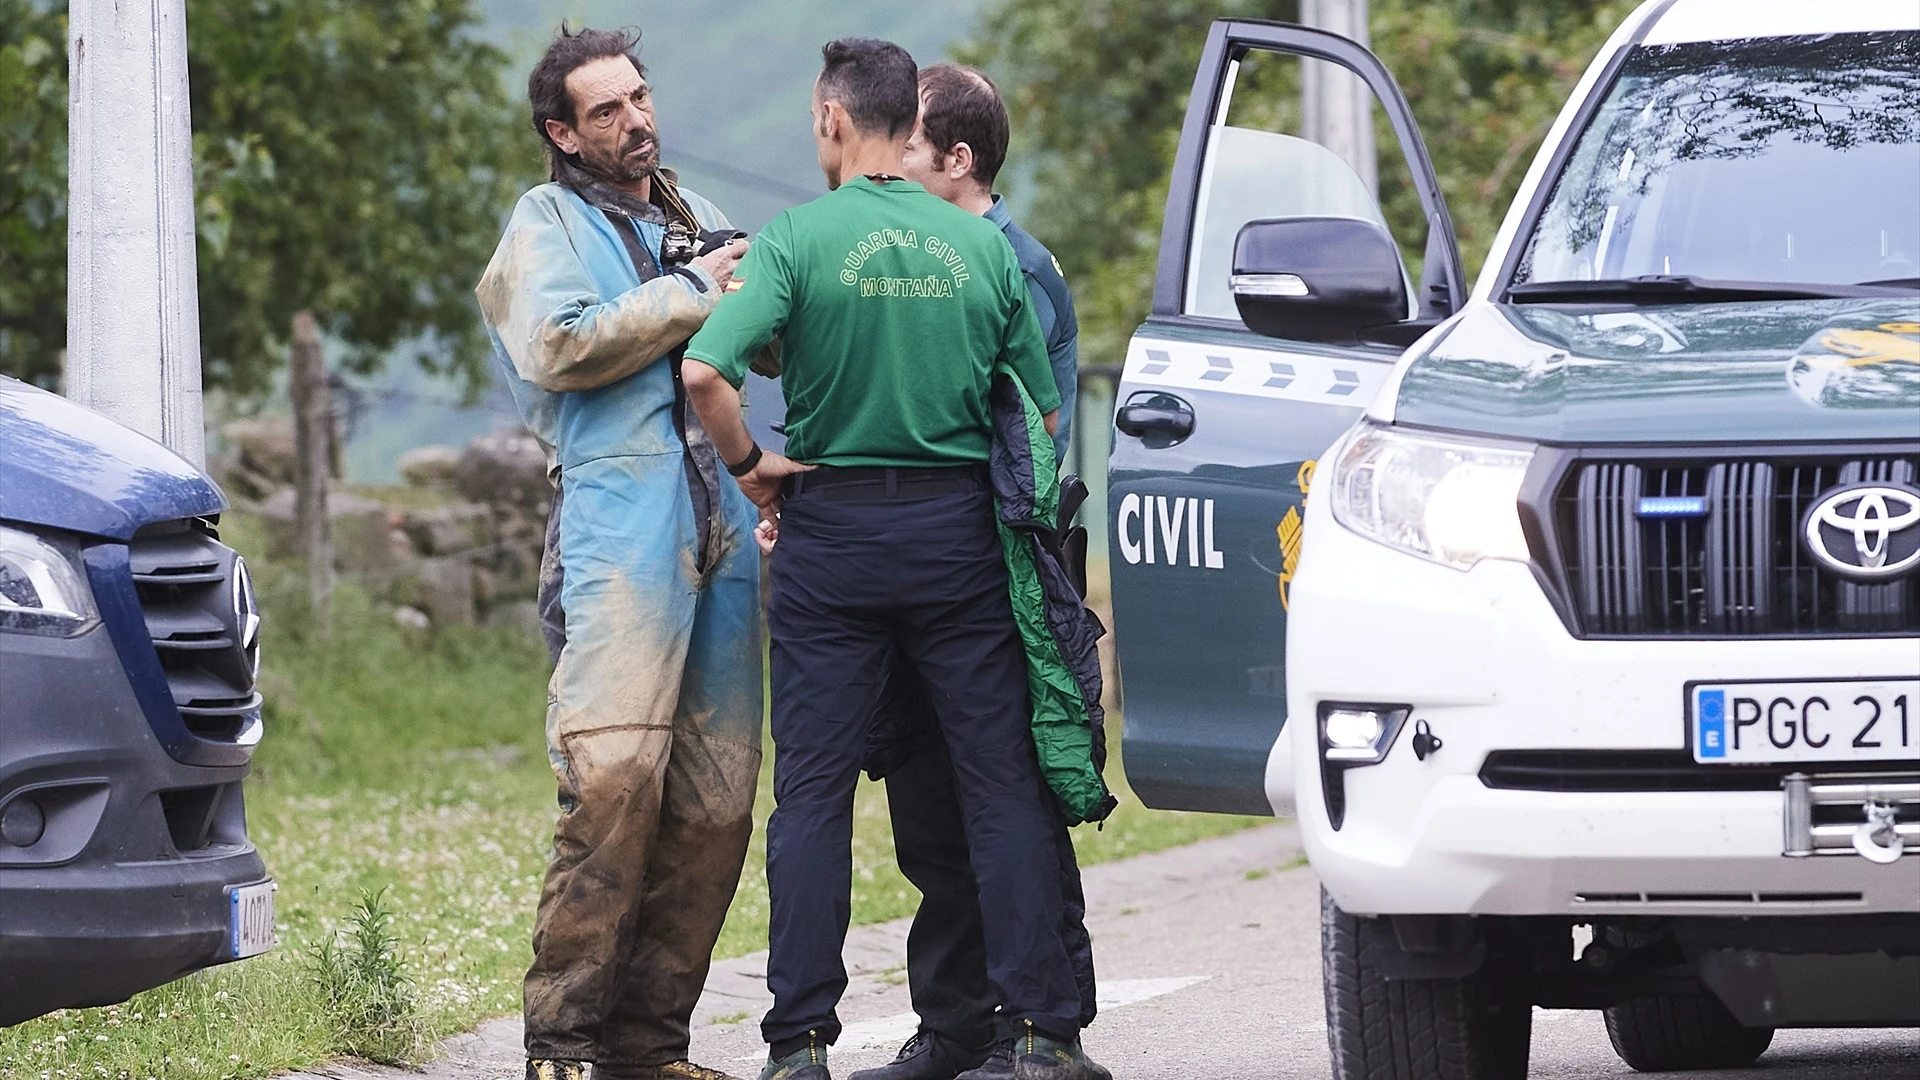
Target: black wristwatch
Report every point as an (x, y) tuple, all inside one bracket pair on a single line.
[(746, 464)]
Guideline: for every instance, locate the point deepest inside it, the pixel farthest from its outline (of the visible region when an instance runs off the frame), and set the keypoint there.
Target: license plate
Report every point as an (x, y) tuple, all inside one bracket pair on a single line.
[(250, 919), (1757, 723)]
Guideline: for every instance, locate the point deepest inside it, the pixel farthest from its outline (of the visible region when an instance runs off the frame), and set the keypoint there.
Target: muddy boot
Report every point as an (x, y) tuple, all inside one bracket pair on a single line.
[(808, 1063), (550, 1069), (1041, 1058), (1033, 1056), (682, 1070)]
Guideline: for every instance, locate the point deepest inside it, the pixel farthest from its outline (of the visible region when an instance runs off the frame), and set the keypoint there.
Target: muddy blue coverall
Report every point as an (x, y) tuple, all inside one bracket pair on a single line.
[(654, 709)]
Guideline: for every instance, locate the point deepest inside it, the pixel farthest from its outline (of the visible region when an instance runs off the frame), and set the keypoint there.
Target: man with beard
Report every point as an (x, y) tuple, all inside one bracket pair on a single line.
[(653, 715)]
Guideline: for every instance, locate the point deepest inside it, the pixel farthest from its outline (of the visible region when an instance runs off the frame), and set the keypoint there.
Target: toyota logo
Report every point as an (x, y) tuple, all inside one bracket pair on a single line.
[(1866, 531)]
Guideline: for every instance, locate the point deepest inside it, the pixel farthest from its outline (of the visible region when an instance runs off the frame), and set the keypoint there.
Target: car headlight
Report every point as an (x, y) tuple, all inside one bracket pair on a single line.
[(41, 587), (1453, 500)]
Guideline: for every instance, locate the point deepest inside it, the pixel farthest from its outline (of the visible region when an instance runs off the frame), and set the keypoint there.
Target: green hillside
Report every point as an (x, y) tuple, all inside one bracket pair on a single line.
[(732, 80)]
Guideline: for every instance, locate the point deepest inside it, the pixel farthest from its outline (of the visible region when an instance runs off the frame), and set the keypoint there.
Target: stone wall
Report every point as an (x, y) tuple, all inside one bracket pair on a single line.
[(459, 541)]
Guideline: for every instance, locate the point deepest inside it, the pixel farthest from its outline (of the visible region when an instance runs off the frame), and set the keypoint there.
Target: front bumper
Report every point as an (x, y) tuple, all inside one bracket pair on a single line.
[(1485, 661), (126, 885), (82, 936)]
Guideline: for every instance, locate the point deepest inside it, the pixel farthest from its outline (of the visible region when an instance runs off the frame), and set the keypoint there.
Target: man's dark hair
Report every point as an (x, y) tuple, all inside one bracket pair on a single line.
[(876, 81), (570, 50), (961, 105)]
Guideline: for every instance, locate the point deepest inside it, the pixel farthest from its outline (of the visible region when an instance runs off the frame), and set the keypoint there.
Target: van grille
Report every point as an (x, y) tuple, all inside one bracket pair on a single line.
[(1734, 567), (185, 579)]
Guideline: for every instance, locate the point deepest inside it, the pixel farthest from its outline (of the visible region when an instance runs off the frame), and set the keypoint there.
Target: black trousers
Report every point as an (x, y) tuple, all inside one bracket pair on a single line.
[(946, 947), (858, 581)]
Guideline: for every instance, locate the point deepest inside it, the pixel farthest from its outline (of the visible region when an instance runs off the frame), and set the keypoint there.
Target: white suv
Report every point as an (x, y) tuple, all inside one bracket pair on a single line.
[(1605, 635), (1591, 665)]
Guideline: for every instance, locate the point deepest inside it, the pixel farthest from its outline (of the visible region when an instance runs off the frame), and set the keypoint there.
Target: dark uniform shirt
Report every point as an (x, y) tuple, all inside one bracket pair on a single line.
[(894, 308), (1053, 304)]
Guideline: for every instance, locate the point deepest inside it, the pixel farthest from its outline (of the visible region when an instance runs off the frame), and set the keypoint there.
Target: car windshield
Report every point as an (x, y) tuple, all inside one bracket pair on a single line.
[(1787, 159)]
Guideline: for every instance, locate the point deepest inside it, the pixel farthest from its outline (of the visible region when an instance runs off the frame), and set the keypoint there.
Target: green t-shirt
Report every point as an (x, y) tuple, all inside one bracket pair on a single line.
[(893, 307)]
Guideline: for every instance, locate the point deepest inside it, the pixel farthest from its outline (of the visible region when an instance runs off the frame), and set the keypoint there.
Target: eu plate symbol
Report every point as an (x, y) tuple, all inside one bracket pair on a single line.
[(1710, 712)]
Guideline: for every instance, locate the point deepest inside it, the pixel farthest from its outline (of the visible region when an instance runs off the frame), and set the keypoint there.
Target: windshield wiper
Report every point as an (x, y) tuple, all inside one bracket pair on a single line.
[(1684, 288)]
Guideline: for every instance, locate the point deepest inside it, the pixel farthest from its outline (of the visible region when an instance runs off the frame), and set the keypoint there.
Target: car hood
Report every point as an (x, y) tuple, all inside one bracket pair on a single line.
[(68, 467), (1768, 372)]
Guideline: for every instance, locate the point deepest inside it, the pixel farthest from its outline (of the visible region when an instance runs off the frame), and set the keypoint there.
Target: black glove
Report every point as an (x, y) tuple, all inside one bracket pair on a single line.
[(712, 240)]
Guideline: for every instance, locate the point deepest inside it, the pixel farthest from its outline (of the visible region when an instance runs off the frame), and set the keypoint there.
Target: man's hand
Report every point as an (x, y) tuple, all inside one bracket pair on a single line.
[(721, 261), (767, 534), (718, 405), (763, 484)]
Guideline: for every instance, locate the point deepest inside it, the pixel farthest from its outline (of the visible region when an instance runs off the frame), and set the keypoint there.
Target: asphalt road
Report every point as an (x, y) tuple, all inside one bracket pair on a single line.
[(1209, 960)]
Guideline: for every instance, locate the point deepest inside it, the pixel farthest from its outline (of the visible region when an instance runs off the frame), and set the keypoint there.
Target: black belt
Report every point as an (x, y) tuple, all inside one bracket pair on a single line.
[(866, 483)]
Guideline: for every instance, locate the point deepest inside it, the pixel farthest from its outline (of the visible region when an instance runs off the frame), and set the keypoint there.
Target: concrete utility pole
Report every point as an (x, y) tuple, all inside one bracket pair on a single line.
[(133, 303), (1336, 108)]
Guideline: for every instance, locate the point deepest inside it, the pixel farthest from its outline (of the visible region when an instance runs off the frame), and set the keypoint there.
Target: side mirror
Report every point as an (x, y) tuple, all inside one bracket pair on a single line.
[(1317, 278)]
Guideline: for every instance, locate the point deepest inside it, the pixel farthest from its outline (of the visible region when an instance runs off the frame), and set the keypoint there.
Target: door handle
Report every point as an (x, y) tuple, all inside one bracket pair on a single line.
[(1161, 419)]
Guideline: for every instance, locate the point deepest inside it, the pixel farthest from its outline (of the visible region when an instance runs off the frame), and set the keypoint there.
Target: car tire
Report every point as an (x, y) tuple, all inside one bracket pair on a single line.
[(1675, 1032), (1412, 1029)]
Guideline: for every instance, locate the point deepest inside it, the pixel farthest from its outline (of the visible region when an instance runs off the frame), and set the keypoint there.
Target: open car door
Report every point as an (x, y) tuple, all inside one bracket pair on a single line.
[(1272, 225)]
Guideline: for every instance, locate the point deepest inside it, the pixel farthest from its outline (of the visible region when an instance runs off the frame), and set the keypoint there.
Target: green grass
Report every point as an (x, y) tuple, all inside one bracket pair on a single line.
[(416, 773)]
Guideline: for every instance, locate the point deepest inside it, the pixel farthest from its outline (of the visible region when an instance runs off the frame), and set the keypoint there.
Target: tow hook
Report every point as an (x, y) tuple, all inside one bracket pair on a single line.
[(1819, 816), (1878, 839), (1425, 742)]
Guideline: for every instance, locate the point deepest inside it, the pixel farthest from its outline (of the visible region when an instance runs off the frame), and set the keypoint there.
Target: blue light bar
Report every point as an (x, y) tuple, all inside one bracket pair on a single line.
[(1672, 506)]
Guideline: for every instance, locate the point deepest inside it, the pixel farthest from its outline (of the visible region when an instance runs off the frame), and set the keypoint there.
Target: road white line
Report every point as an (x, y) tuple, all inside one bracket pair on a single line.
[(1119, 993)]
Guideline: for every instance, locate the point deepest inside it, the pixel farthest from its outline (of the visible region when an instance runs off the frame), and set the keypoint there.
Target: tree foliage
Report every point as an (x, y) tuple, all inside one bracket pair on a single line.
[(351, 157), (33, 188), (1098, 90)]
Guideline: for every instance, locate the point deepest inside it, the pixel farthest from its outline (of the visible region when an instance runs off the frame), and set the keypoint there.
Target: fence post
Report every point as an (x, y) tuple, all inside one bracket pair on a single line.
[(312, 439)]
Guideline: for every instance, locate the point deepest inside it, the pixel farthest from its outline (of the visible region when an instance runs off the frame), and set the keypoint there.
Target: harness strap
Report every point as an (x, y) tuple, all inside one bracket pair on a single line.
[(644, 263)]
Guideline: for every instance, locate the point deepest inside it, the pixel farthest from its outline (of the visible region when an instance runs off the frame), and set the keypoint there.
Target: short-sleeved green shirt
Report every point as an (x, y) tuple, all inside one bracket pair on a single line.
[(893, 307)]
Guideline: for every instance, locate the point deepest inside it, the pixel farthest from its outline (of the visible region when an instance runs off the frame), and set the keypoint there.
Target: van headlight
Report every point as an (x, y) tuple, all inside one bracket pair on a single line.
[(1450, 499), (41, 588)]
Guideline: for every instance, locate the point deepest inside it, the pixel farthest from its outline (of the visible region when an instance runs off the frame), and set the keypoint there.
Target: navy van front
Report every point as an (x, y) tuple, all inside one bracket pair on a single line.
[(129, 650)]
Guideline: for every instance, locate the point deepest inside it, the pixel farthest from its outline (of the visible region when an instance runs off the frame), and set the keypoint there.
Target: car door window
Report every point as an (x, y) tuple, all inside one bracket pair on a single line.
[(1264, 159)]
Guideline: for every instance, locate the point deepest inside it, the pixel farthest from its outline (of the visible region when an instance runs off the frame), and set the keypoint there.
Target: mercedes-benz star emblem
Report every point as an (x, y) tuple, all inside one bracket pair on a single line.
[(1866, 531), (246, 616)]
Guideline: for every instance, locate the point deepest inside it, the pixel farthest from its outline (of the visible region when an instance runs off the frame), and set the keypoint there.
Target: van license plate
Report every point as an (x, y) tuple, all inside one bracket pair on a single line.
[(250, 919), (1757, 723)]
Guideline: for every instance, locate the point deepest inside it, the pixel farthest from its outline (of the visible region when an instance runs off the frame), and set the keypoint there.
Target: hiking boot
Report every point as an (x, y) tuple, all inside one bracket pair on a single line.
[(1033, 1056), (926, 1056), (550, 1069), (997, 1066), (808, 1063), (682, 1070), (1037, 1057)]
